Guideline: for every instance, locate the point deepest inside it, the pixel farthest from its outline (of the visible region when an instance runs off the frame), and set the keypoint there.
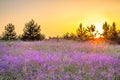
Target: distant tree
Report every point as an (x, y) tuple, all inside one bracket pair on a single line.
[(69, 36), (32, 32), (113, 32), (118, 40), (66, 36), (90, 31), (106, 29), (9, 33), (82, 33), (118, 33), (73, 36)]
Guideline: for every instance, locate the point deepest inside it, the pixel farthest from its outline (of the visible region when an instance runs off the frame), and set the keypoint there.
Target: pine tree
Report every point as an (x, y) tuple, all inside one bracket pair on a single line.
[(32, 32), (106, 30), (9, 33), (81, 33), (114, 33)]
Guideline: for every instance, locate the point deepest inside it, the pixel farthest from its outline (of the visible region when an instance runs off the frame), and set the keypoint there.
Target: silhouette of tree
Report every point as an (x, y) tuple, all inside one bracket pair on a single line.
[(106, 29), (82, 33), (118, 33), (90, 31), (118, 39), (113, 32), (66, 36), (32, 32), (9, 33), (73, 36), (69, 36)]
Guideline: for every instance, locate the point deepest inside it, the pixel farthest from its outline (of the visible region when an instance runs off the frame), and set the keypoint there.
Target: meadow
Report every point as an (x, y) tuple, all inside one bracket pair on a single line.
[(59, 60)]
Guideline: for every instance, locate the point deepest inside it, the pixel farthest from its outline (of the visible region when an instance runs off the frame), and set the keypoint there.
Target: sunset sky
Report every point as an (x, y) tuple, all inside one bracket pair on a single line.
[(57, 17)]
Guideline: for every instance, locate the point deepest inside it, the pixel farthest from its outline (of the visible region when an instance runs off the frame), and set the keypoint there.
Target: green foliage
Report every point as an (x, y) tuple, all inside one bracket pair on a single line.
[(32, 32), (90, 31), (12, 75), (85, 33), (9, 33), (71, 68), (82, 32), (106, 29), (118, 40), (111, 33)]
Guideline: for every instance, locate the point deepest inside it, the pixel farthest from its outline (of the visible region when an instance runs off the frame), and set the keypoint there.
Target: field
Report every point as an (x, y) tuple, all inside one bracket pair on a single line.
[(59, 60)]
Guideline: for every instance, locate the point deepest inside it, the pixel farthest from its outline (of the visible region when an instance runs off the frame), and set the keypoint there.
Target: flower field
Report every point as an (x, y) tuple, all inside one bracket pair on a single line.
[(59, 60)]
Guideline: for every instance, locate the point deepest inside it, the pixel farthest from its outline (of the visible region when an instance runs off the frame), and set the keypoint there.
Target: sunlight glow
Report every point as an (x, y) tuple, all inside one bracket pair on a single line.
[(97, 20), (99, 30), (98, 36)]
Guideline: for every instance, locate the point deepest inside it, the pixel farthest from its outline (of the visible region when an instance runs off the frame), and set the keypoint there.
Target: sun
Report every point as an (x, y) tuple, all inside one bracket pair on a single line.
[(98, 30), (97, 20)]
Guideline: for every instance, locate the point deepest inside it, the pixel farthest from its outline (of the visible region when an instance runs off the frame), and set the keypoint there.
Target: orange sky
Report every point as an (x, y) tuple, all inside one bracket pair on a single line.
[(57, 17)]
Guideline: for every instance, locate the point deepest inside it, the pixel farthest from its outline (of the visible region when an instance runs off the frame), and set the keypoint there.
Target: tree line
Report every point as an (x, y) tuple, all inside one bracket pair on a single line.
[(110, 32), (32, 32)]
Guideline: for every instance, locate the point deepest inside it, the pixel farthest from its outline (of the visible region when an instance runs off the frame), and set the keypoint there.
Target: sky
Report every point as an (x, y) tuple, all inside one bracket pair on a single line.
[(57, 17)]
